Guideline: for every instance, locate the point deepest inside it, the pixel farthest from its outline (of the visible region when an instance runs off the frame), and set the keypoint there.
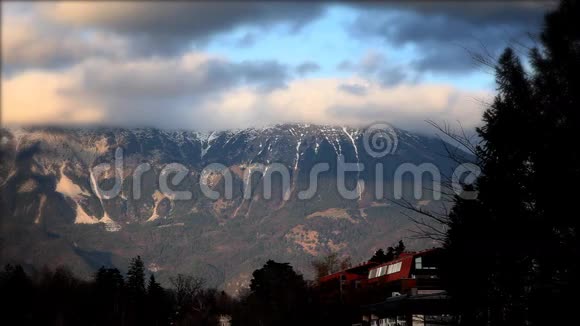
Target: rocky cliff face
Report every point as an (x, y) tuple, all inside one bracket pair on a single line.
[(54, 213)]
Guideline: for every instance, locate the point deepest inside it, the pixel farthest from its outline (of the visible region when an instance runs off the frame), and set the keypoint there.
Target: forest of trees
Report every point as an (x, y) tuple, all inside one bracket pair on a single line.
[(277, 295), (392, 253), (57, 297)]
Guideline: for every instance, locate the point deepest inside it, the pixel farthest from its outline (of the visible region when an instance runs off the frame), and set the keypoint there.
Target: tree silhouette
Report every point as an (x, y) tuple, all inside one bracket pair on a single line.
[(57, 297), (136, 277), (135, 287), (16, 293), (157, 303), (399, 248), (109, 287), (379, 256), (110, 278), (392, 252), (329, 264), (278, 296), (154, 289), (517, 245)]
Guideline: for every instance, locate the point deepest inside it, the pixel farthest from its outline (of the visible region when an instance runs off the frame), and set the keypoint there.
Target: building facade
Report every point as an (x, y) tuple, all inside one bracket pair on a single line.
[(404, 291)]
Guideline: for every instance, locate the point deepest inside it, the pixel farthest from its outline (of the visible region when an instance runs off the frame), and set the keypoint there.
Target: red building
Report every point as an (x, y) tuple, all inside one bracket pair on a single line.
[(343, 285), (404, 291)]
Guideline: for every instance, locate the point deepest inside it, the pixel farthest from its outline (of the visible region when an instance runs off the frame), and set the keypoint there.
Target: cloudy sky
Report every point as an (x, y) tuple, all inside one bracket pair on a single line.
[(238, 64)]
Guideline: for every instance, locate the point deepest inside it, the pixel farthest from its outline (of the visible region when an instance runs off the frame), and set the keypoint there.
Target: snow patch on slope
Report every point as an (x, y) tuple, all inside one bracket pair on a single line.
[(67, 187), (157, 197), (110, 225), (40, 208), (83, 218)]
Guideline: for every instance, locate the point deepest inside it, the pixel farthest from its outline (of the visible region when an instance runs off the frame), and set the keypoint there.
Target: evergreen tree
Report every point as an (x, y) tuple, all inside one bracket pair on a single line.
[(108, 279), (278, 296), (153, 288), (158, 307), (16, 294), (516, 245), (556, 165), (379, 256), (136, 292), (399, 249), (390, 254), (503, 260), (108, 287), (136, 277)]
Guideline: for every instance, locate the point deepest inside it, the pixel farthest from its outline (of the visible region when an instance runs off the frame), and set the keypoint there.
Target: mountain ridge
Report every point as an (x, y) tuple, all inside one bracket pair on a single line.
[(46, 187)]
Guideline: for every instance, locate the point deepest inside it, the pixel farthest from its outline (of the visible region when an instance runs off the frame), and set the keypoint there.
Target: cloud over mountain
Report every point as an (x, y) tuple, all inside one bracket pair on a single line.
[(229, 64)]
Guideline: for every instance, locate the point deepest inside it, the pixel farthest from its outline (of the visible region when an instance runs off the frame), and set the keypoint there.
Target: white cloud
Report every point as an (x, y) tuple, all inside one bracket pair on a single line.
[(203, 92), (321, 101), (37, 98), (130, 64)]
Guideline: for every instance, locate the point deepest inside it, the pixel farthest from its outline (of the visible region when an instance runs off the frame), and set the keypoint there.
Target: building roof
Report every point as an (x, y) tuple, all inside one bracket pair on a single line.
[(361, 269), (365, 267)]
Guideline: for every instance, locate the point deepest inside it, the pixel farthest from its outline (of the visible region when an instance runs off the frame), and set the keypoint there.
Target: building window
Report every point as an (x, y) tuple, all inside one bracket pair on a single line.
[(397, 267), (419, 263), (394, 268)]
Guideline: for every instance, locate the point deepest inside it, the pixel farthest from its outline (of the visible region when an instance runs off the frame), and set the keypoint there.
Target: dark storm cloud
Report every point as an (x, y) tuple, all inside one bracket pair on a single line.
[(307, 67), (29, 41), (165, 92), (441, 31), (373, 65), (166, 27), (176, 78), (55, 35), (446, 34)]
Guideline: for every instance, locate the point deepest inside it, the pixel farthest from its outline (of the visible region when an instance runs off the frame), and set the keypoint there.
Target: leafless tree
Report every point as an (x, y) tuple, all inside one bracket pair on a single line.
[(329, 264), (187, 288), (433, 223)]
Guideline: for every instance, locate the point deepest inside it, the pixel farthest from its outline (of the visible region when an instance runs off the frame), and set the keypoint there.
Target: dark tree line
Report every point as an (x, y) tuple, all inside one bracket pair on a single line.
[(392, 253), (59, 298), (513, 254), (277, 295)]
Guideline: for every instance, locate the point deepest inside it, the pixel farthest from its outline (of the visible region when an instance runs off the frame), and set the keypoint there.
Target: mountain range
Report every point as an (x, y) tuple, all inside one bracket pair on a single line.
[(53, 212)]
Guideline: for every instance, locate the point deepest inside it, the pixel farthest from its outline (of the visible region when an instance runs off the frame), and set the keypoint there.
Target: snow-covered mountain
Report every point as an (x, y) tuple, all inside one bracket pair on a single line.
[(52, 214)]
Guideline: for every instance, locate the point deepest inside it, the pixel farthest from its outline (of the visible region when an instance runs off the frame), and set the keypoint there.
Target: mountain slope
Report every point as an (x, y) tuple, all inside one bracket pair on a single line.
[(53, 215)]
